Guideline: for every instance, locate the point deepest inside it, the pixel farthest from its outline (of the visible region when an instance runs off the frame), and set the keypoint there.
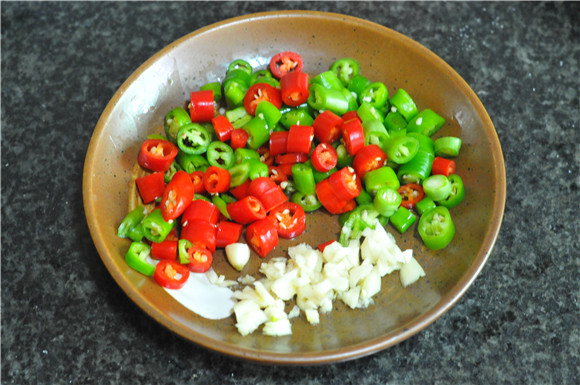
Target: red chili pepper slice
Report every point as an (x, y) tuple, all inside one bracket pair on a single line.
[(241, 191), (200, 233), (201, 108), (345, 184), (228, 233), (171, 274), (246, 210), (443, 166), (216, 180), (262, 236), (277, 174), (353, 136), (201, 209), (289, 219), (239, 138), (351, 115), (278, 142), (267, 192), (327, 127), (411, 194), (177, 196), (294, 88), (324, 157), (285, 62), (157, 154), (222, 128), (200, 259), (327, 197), (197, 180), (368, 158), (164, 250), (300, 139), (265, 155), (291, 158), (151, 186), (260, 92)]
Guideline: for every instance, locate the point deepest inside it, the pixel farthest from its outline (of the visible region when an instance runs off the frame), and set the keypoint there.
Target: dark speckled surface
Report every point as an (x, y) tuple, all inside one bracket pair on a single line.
[(64, 319)]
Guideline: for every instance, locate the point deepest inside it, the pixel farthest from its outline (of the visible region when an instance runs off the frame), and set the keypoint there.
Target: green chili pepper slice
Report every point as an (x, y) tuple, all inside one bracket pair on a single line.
[(404, 104), (190, 162), (168, 175), (258, 132), (238, 117), (364, 197), (268, 112), (387, 201), (155, 228), (308, 202), (357, 84), (424, 205), (437, 187), (319, 176), (401, 149), (376, 94), (322, 98), (264, 76), (436, 228), (343, 157), (381, 177), (183, 245), (239, 172), (402, 219), (356, 221), (240, 64), (345, 68), (296, 116), (328, 79), (366, 111), (235, 91), (457, 192), (220, 154), (447, 146), (417, 169), (130, 221), (136, 258), (243, 154), (136, 233), (350, 99), (193, 139), (395, 123), (303, 178), (221, 205), (174, 120), (257, 169), (201, 196), (426, 122)]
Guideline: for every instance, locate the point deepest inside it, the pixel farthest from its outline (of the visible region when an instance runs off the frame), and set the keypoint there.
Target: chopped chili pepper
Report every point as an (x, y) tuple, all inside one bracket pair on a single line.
[(164, 250), (443, 166), (200, 233), (411, 194), (197, 181), (201, 106), (345, 184), (157, 154), (177, 196), (201, 210), (247, 210), (222, 127), (171, 274), (353, 136), (436, 228), (228, 233), (294, 88), (324, 157), (327, 127), (277, 174), (216, 180), (368, 158), (200, 259), (151, 186), (278, 143), (289, 219), (262, 236), (261, 92), (285, 62), (239, 138), (300, 139), (291, 158)]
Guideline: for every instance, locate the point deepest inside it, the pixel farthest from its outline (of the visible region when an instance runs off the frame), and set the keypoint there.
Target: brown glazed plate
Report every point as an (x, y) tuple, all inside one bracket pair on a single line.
[(163, 82)]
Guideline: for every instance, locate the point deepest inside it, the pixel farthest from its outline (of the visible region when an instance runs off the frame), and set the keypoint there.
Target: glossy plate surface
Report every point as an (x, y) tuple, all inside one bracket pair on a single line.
[(165, 81)]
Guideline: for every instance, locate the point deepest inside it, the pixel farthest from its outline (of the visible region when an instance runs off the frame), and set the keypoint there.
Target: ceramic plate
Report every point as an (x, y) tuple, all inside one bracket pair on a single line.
[(163, 82)]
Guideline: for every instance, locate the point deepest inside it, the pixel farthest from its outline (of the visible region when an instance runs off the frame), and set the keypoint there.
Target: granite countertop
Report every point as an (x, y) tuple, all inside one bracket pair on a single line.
[(65, 320)]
